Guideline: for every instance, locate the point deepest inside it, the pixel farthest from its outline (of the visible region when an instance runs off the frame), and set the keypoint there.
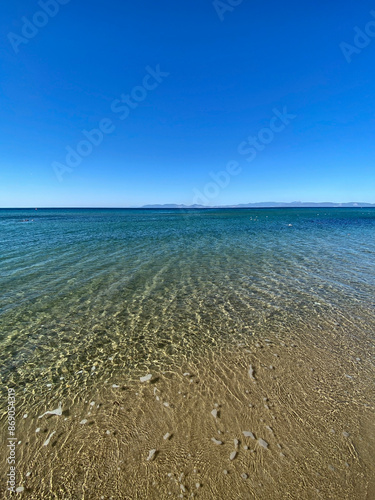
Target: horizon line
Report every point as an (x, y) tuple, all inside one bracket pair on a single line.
[(181, 206)]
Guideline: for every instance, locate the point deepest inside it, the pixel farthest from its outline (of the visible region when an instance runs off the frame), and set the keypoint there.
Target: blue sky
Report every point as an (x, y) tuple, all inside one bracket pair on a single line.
[(221, 72)]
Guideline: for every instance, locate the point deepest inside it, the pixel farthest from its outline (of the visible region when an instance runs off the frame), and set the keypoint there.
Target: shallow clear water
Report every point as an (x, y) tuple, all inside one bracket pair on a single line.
[(78, 285), (92, 300)]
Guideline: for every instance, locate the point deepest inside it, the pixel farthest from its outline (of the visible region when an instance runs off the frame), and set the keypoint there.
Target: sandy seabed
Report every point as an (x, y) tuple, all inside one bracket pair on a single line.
[(268, 419)]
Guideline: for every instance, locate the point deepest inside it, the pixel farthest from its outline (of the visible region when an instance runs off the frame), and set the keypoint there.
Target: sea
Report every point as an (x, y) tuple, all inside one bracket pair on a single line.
[(77, 284), (144, 352)]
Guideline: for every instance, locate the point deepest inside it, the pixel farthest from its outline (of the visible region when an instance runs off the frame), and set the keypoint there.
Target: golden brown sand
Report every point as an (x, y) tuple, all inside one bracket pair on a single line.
[(310, 410)]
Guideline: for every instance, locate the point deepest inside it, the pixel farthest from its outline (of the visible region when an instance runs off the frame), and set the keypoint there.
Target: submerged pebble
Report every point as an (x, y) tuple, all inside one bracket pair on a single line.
[(244, 476), (146, 378), (262, 443), (167, 436), (214, 413), (151, 454), (248, 434), (58, 411), (233, 455), (216, 441), (46, 442), (251, 372)]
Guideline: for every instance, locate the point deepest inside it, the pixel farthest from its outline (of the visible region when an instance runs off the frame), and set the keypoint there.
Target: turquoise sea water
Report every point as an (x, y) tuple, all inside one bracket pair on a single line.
[(106, 289)]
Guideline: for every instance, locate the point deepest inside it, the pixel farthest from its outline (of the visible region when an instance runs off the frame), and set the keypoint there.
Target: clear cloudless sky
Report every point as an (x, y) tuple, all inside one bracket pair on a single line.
[(226, 76)]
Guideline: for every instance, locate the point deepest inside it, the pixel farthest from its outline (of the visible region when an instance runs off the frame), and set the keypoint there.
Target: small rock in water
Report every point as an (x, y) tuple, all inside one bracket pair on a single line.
[(115, 386), (58, 411), (146, 378), (251, 372), (151, 454), (262, 443), (236, 443), (46, 442), (216, 441), (166, 404), (233, 455), (186, 374), (28, 474), (248, 434), (37, 430), (245, 447), (197, 485), (20, 489), (225, 471), (92, 403), (244, 476), (167, 436), (214, 413), (83, 422), (182, 488), (269, 428), (25, 416), (345, 434)]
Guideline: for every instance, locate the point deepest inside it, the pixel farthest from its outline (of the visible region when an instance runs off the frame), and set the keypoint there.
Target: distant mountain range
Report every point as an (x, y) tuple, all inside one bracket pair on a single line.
[(273, 204)]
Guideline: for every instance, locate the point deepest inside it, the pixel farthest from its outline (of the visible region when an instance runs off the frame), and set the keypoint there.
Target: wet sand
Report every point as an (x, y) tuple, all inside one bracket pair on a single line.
[(306, 405)]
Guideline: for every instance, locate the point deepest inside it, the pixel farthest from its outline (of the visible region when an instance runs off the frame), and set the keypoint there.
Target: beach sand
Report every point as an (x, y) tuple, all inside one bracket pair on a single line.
[(305, 403)]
